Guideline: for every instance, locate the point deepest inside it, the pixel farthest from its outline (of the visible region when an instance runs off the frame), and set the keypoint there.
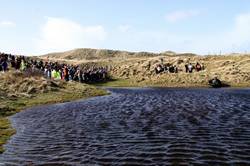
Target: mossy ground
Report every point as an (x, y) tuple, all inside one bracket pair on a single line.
[(69, 92), (118, 83)]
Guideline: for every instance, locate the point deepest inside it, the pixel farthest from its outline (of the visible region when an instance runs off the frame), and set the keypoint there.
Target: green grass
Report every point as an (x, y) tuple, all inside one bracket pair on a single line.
[(146, 83), (119, 83), (10, 106), (5, 132)]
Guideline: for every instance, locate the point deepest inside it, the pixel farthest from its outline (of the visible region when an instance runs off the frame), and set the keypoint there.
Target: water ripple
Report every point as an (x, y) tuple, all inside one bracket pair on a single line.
[(136, 127)]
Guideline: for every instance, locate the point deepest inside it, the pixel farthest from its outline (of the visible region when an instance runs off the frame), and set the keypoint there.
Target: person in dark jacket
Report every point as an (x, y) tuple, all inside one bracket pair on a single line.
[(4, 65), (215, 83)]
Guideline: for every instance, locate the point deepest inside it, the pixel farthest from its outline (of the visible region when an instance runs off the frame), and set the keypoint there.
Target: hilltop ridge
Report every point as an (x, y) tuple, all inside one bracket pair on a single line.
[(100, 54)]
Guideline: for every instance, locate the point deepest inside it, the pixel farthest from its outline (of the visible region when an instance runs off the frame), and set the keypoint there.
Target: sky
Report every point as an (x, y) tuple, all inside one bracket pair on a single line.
[(34, 27)]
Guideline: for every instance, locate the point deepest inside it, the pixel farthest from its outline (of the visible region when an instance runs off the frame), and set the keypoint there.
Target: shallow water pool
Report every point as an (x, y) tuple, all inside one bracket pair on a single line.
[(136, 127)]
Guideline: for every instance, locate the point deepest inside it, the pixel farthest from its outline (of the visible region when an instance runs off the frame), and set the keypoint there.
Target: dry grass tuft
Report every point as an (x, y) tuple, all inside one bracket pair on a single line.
[(17, 84)]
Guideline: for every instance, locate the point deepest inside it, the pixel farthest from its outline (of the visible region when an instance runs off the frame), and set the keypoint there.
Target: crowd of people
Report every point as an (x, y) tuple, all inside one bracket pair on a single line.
[(83, 74), (54, 70)]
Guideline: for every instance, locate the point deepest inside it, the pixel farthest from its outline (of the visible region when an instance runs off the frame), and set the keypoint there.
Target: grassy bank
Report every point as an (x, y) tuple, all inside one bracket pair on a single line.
[(18, 92), (164, 82)]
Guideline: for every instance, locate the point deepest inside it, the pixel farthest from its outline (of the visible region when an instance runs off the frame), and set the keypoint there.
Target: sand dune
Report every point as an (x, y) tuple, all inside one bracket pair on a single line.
[(139, 67)]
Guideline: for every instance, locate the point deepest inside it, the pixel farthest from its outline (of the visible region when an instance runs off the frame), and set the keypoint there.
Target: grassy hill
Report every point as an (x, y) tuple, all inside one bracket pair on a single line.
[(137, 69), (97, 54)]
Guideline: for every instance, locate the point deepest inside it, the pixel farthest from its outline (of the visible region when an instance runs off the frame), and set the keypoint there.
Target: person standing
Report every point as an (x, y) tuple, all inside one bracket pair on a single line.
[(198, 67), (190, 68), (23, 66), (66, 73), (4, 65)]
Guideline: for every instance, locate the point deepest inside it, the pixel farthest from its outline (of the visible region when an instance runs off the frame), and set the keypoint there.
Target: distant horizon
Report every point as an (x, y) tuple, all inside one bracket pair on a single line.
[(199, 27), (218, 53), (161, 52)]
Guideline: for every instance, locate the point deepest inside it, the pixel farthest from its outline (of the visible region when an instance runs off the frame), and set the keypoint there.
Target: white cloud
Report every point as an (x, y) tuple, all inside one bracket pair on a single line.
[(233, 38), (59, 34), (7, 24), (181, 15), (240, 32), (124, 28)]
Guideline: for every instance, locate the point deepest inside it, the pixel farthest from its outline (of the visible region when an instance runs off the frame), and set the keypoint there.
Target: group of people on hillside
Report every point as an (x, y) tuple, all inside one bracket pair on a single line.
[(84, 74), (70, 72), (54, 70), (197, 67), (168, 68)]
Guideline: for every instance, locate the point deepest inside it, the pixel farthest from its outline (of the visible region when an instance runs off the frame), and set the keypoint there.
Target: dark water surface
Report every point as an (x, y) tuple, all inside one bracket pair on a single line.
[(136, 127)]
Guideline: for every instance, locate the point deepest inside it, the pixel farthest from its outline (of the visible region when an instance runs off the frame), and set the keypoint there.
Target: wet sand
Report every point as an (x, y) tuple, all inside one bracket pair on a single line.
[(136, 127)]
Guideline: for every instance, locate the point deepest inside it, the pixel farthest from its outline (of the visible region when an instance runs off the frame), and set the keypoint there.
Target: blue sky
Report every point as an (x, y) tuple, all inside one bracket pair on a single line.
[(204, 27)]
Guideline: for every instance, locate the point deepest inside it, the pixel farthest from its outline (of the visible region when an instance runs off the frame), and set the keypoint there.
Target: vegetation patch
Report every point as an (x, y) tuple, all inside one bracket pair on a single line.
[(15, 96)]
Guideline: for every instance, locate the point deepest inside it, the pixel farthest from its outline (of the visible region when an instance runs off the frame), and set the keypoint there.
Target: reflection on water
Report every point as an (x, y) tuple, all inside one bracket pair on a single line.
[(136, 127)]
